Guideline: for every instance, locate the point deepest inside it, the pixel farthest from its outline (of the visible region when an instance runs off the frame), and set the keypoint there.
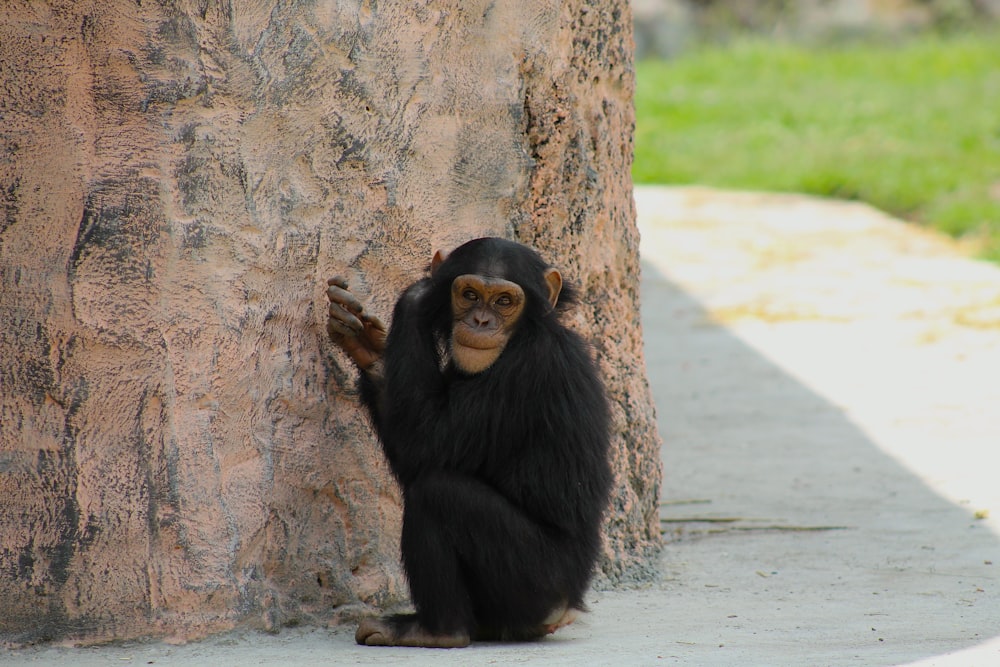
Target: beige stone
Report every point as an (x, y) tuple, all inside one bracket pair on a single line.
[(181, 449)]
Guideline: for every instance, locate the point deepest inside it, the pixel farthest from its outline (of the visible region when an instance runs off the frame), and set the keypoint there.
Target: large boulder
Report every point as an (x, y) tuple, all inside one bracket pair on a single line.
[(181, 448)]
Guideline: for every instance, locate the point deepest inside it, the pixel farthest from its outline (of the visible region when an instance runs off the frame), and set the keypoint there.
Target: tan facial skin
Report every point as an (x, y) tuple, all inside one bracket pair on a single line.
[(486, 312)]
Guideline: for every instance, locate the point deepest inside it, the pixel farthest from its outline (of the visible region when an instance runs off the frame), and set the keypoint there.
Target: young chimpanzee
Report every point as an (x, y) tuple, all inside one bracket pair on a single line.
[(493, 419)]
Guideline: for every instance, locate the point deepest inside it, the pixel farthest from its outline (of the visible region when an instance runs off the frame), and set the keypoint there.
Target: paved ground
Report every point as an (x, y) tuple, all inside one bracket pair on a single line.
[(828, 383)]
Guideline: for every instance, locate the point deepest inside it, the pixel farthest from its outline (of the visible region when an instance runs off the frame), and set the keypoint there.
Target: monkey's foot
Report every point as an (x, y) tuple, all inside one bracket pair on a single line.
[(560, 618), (405, 630)]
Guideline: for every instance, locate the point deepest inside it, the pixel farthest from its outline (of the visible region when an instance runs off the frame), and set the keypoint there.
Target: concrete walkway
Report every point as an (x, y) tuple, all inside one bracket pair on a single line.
[(828, 383)]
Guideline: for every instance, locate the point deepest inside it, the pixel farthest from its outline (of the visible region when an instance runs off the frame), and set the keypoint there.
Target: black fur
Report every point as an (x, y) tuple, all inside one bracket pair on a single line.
[(505, 474)]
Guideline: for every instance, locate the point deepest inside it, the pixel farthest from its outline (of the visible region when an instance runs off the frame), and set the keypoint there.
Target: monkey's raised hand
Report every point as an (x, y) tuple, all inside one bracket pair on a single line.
[(360, 335)]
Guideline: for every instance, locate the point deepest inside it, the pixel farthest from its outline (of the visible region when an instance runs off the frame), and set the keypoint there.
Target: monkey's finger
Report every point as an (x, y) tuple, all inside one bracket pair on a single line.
[(338, 295), (339, 281), (344, 320), (373, 322)]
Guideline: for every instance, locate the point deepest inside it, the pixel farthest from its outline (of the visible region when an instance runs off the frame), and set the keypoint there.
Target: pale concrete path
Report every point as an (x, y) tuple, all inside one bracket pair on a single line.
[(828, 386)]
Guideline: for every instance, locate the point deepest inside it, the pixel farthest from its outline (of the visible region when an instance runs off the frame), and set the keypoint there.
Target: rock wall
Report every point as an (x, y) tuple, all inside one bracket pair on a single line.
[(181, 449)]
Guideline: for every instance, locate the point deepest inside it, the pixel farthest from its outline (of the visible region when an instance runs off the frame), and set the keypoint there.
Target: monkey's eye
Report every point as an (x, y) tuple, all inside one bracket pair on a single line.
[(470, 295), (503, 300)]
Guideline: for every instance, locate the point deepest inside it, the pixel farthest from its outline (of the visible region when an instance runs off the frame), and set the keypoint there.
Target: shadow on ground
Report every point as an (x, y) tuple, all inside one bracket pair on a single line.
[(793, 538)]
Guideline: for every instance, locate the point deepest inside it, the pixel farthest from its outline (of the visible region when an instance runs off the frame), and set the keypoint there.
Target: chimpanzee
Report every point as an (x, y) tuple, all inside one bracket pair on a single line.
[(495, 423)]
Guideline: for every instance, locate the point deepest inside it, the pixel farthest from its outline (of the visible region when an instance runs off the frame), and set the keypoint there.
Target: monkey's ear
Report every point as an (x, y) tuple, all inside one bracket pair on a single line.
[(438, 260), (554, 280)]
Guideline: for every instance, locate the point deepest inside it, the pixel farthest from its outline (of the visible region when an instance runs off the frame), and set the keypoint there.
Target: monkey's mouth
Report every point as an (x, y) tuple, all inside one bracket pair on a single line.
[(476, 341)]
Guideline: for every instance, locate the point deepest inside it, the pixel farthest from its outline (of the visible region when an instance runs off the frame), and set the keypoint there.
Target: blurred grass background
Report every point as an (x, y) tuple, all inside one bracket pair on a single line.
[(909, 125)]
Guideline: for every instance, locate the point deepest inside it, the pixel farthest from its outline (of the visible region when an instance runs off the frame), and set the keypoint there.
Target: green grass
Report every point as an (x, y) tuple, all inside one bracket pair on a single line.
[(912, 128)]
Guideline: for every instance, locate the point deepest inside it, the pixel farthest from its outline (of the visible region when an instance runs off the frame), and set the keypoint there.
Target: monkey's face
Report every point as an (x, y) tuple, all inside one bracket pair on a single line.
[(486, 311)]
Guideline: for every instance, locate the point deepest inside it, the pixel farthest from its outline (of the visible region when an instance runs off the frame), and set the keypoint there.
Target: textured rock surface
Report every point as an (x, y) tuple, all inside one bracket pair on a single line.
[(181, 449)]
